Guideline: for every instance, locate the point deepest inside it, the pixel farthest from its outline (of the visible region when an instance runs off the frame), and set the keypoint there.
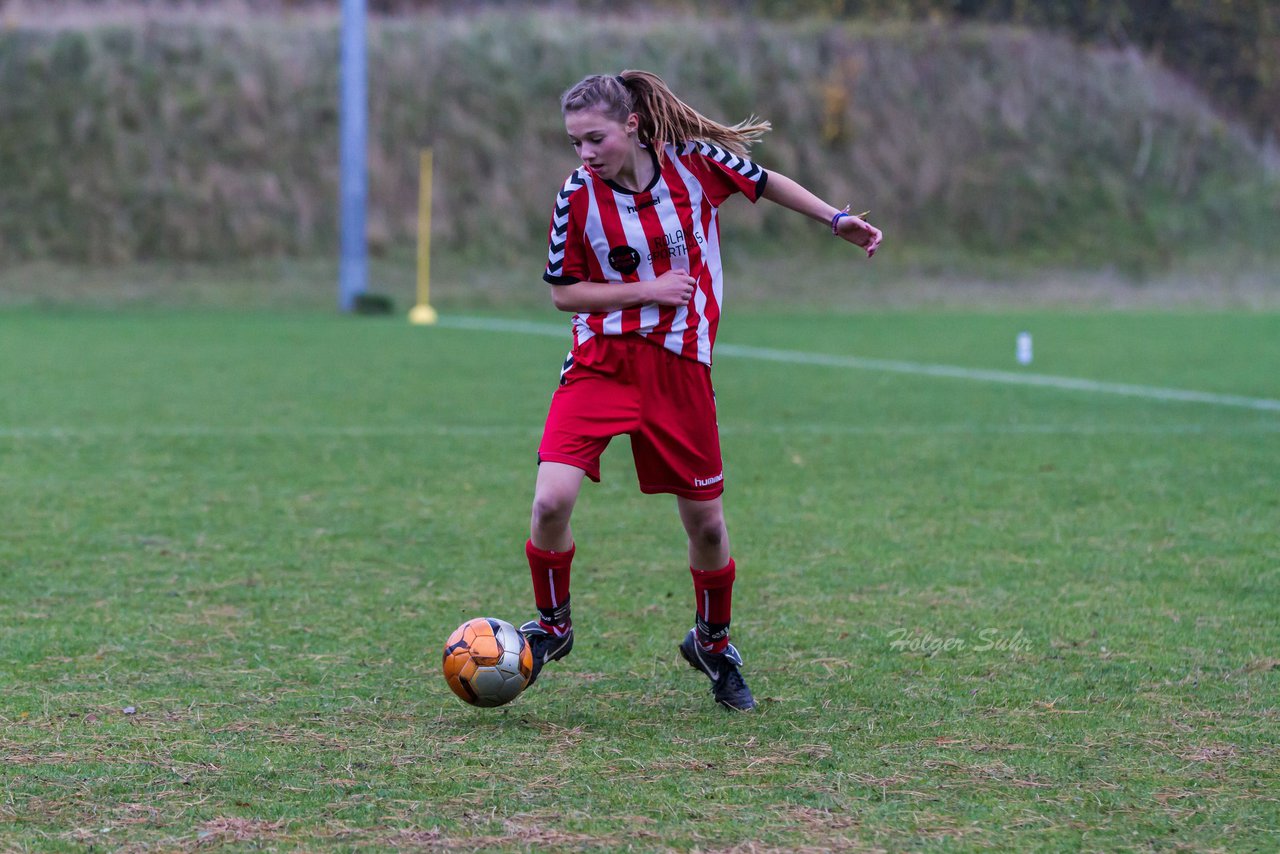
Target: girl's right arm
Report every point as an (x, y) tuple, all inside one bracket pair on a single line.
[(672, 288)]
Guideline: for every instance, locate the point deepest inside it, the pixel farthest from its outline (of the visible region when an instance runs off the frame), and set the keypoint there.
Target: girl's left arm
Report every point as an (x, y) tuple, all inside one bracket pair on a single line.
[(786, 192)]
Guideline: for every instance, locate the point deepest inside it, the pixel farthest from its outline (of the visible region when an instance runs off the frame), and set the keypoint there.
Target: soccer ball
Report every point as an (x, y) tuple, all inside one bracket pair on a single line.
[(487, 662)]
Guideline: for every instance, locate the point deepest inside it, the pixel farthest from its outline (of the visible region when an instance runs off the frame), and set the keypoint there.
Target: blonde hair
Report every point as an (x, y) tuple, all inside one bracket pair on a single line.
[(664, 118)]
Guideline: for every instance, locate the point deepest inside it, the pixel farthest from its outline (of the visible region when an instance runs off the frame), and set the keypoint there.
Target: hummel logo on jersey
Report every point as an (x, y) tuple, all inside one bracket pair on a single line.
[(654, 202), (699, 481), (624, 259)]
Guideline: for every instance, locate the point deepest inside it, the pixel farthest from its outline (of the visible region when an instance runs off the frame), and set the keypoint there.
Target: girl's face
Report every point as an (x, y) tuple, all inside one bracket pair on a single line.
[(605, 145)]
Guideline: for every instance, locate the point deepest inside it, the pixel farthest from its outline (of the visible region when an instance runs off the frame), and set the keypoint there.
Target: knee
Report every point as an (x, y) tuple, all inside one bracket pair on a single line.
[(708, 533), (551, 509)]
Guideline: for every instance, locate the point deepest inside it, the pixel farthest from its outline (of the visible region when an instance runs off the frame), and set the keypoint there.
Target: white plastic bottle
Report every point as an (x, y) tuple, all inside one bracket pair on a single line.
[(1024, 348)]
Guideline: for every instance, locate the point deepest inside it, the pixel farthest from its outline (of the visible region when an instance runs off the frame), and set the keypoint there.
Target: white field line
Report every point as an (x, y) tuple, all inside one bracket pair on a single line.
[(232, 431), (797, 357), (734, 351), (975, 429), (532, 432)]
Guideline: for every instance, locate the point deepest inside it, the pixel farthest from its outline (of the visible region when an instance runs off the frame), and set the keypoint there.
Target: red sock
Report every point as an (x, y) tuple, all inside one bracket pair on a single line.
[(550, 573), (713, 600)]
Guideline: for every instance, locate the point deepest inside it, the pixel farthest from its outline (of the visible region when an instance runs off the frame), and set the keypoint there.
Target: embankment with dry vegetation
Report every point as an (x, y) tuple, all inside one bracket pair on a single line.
[(194, 139)]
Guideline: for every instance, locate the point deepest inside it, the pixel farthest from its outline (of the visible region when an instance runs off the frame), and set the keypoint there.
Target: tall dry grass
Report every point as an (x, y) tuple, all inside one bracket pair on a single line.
[(211, 138)]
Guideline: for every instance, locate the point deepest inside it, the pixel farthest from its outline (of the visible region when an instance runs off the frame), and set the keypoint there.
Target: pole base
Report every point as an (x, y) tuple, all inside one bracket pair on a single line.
[(423, 315)]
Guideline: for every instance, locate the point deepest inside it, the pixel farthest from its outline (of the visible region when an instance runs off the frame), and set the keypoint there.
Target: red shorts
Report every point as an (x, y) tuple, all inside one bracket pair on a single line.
[(616, 384)]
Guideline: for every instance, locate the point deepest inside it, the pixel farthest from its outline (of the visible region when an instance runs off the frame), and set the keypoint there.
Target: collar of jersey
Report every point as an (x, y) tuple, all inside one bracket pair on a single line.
[(657, 173)]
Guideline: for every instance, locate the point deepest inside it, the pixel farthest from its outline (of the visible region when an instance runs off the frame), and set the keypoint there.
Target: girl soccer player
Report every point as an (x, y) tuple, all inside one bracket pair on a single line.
[(635, 255)]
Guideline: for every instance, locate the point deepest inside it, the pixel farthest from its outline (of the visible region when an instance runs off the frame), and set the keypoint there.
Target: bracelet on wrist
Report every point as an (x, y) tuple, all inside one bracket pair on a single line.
[(835, 221)]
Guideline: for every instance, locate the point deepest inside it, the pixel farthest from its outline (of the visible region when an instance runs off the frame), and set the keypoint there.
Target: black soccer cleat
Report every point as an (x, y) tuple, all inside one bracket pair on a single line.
[(545, 646), (727, 684)]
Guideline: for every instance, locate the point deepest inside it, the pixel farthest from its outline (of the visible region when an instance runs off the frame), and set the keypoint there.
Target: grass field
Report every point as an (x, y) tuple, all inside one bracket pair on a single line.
[(978, 615)]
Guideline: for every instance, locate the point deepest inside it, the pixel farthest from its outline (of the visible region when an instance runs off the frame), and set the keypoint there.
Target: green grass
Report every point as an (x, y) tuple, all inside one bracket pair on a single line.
[(235, 542)]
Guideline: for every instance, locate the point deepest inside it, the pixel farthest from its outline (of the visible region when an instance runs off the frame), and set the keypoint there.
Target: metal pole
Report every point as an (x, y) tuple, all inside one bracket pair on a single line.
[(353, 271)]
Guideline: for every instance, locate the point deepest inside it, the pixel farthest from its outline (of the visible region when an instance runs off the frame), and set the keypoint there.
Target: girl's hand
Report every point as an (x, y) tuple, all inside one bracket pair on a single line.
[(859, 232), (672, 288)]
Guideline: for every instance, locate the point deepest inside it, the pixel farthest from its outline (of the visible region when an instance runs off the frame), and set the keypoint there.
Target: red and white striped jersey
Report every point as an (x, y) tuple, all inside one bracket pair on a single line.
[(601, 232)]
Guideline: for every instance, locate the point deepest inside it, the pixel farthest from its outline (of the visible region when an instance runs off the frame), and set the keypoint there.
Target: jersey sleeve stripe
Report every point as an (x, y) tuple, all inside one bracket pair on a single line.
[(560, 228), (728, 159)]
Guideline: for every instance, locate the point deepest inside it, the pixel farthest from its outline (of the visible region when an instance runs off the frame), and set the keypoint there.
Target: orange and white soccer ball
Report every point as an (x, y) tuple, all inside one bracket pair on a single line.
[(487, 662)]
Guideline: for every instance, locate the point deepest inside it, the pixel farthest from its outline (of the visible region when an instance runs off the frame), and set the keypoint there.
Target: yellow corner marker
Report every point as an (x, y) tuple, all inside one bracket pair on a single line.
[(423, 314)]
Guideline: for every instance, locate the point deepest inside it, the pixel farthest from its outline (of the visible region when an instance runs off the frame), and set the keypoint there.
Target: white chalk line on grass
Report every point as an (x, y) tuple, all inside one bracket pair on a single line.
[(798, 357), (793, 357), (231, 431), (532, 432)]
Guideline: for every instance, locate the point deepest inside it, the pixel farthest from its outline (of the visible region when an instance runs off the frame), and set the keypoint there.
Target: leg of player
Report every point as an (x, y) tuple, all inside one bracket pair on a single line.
[(708, 535), (706, 647), (554, 497), (550, 552)]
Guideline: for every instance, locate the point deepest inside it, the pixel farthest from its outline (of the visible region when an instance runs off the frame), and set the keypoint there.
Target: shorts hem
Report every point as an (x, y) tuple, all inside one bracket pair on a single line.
[(593, 472), (704, 494)]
